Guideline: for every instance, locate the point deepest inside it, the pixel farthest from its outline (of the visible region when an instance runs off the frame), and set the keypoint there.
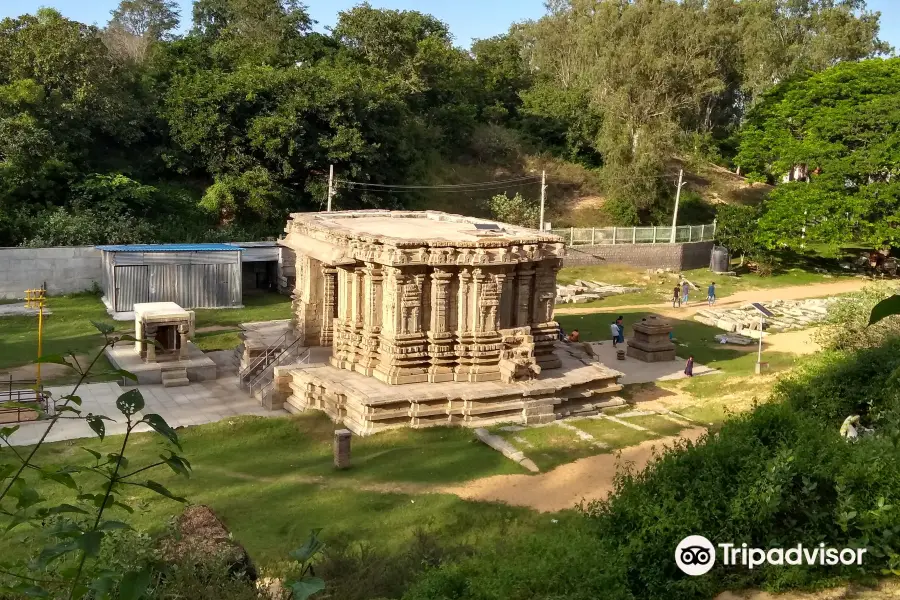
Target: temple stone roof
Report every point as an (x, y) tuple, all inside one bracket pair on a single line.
[(415, 237)]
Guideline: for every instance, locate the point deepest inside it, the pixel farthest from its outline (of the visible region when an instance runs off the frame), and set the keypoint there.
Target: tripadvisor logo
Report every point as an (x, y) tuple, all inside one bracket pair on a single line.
[(696, 555)]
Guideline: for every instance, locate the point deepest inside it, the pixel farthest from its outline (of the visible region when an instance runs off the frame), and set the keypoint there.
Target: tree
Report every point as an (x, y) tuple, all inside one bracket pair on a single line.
[(516, 210), (502, 74), (137, 24), (842, 128), (737, 229), (782, 38), (252, 31)]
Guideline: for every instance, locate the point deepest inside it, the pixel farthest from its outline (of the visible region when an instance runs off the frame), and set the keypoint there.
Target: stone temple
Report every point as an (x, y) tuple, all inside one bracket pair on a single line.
[(432, 319)]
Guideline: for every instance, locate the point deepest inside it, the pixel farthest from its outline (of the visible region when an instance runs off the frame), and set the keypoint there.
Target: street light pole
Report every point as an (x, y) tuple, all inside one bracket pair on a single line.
[(330, 185), (543, 197), (677, 198)]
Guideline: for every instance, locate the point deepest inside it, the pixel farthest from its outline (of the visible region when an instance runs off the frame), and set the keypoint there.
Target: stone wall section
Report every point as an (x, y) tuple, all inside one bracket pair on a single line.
[(64, 270), (678, 257)]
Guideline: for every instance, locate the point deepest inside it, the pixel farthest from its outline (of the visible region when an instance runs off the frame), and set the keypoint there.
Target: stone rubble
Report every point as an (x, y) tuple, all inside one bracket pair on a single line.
[(588, 291), (789, 315)]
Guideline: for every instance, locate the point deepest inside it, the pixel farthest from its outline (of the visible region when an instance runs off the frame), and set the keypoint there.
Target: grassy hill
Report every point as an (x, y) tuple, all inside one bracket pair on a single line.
[(575, 193)]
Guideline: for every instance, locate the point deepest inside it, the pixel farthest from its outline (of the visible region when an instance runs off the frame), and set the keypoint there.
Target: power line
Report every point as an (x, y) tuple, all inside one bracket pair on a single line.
[(460, 186), (445, 190)]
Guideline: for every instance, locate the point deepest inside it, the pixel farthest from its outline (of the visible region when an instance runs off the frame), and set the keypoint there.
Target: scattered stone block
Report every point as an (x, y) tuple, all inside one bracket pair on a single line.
[(342, 448)]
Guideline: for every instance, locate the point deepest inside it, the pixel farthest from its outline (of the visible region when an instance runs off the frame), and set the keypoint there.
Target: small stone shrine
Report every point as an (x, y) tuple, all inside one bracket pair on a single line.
[(407, 300), (165, 323), (163, 352), (651, 342)]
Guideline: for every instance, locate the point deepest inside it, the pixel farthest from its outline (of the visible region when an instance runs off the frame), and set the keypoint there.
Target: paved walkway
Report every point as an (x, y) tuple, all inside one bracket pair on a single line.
[(636, 371), (194, 404)]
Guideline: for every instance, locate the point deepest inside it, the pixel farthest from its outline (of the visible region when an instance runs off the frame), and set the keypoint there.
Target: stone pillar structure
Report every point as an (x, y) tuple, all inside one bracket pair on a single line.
[(329, 305), (342, 345), (403, 348), (371, 319), (150, 331), (440, 336), (309, 301), (409, 297), (651, 341), (182, 341), (543, 328)]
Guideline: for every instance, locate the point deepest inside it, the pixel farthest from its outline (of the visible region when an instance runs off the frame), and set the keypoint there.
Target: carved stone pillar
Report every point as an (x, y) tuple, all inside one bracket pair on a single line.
[(403, 347), (329, 304), (371, 319), (182, 341), (524, 289), (507, 283), (440, 337), (543, 327), (150, 331), (342, 343), (480, 354)]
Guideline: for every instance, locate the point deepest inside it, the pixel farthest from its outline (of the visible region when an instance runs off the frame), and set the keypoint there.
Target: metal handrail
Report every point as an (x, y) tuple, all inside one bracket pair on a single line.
[(248, 370), (40, 398), (267, 388), (270, 368)]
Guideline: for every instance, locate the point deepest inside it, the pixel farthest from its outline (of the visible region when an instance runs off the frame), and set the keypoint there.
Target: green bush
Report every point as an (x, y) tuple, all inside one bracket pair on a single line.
[(847, 325), (775, 477)]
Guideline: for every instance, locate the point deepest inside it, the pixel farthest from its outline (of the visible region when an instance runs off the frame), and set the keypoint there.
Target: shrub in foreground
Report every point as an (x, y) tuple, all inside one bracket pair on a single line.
[(776, 477)]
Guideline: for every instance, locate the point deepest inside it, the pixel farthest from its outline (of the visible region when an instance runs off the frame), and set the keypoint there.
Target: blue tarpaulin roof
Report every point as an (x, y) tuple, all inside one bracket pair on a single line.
[(170, 248)]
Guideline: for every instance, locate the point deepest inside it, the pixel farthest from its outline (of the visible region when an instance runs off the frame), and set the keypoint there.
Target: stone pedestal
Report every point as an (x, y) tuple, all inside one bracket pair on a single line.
[(651, 341), (342, 448)]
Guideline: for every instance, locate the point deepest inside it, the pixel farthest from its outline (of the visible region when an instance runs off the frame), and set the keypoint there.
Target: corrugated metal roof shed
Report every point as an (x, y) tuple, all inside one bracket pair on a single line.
[(191, 275), (170, 248)]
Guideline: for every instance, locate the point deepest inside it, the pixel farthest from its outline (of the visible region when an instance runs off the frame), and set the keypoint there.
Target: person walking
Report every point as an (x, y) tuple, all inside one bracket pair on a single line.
[(689, 367), (711, 293), (614, 332), (620, 324), (676, 296), (685, 288)]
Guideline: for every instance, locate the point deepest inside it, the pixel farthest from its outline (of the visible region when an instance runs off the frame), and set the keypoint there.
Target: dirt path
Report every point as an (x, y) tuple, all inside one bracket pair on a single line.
[(797, 292), (565, 486)]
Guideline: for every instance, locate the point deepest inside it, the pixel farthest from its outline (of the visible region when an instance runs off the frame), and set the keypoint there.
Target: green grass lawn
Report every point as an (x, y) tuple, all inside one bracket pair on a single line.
[(693, 339), (260, 306), (271, 480), (549, 446), (217, 340), (613, 434), (69, 328)]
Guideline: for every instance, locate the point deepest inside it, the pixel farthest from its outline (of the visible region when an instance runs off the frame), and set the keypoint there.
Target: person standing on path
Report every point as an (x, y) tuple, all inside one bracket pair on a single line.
[(711, 293), (614, 332), (689, 367), (676, 296), (619, 323), (685, 288)]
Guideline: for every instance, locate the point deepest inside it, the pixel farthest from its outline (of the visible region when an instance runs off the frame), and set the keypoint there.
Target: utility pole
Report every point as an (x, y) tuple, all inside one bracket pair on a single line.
[(677, 198), (543, 197), (330, 185)]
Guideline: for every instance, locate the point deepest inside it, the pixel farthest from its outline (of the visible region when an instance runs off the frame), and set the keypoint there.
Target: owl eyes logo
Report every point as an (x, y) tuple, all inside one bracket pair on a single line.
[(695, 555)]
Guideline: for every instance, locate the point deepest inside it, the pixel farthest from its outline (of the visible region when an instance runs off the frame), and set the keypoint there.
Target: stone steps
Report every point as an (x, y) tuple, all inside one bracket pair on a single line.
[(174, 377)]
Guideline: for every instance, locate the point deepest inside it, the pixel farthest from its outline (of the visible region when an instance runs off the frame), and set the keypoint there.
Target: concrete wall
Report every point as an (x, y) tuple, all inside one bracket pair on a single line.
[(678, 257), (65, 270)]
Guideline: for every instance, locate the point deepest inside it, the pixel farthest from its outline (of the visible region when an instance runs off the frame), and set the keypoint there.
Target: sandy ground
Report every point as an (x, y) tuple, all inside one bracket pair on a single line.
[(888, 589), (566, 486), (797, 292)]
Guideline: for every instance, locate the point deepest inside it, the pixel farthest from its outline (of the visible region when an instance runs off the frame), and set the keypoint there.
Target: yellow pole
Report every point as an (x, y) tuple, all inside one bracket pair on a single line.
[(40, 340)]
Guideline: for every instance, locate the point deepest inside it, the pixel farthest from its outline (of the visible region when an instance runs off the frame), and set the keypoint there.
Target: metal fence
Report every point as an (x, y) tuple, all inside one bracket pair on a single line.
[(589, 236)]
